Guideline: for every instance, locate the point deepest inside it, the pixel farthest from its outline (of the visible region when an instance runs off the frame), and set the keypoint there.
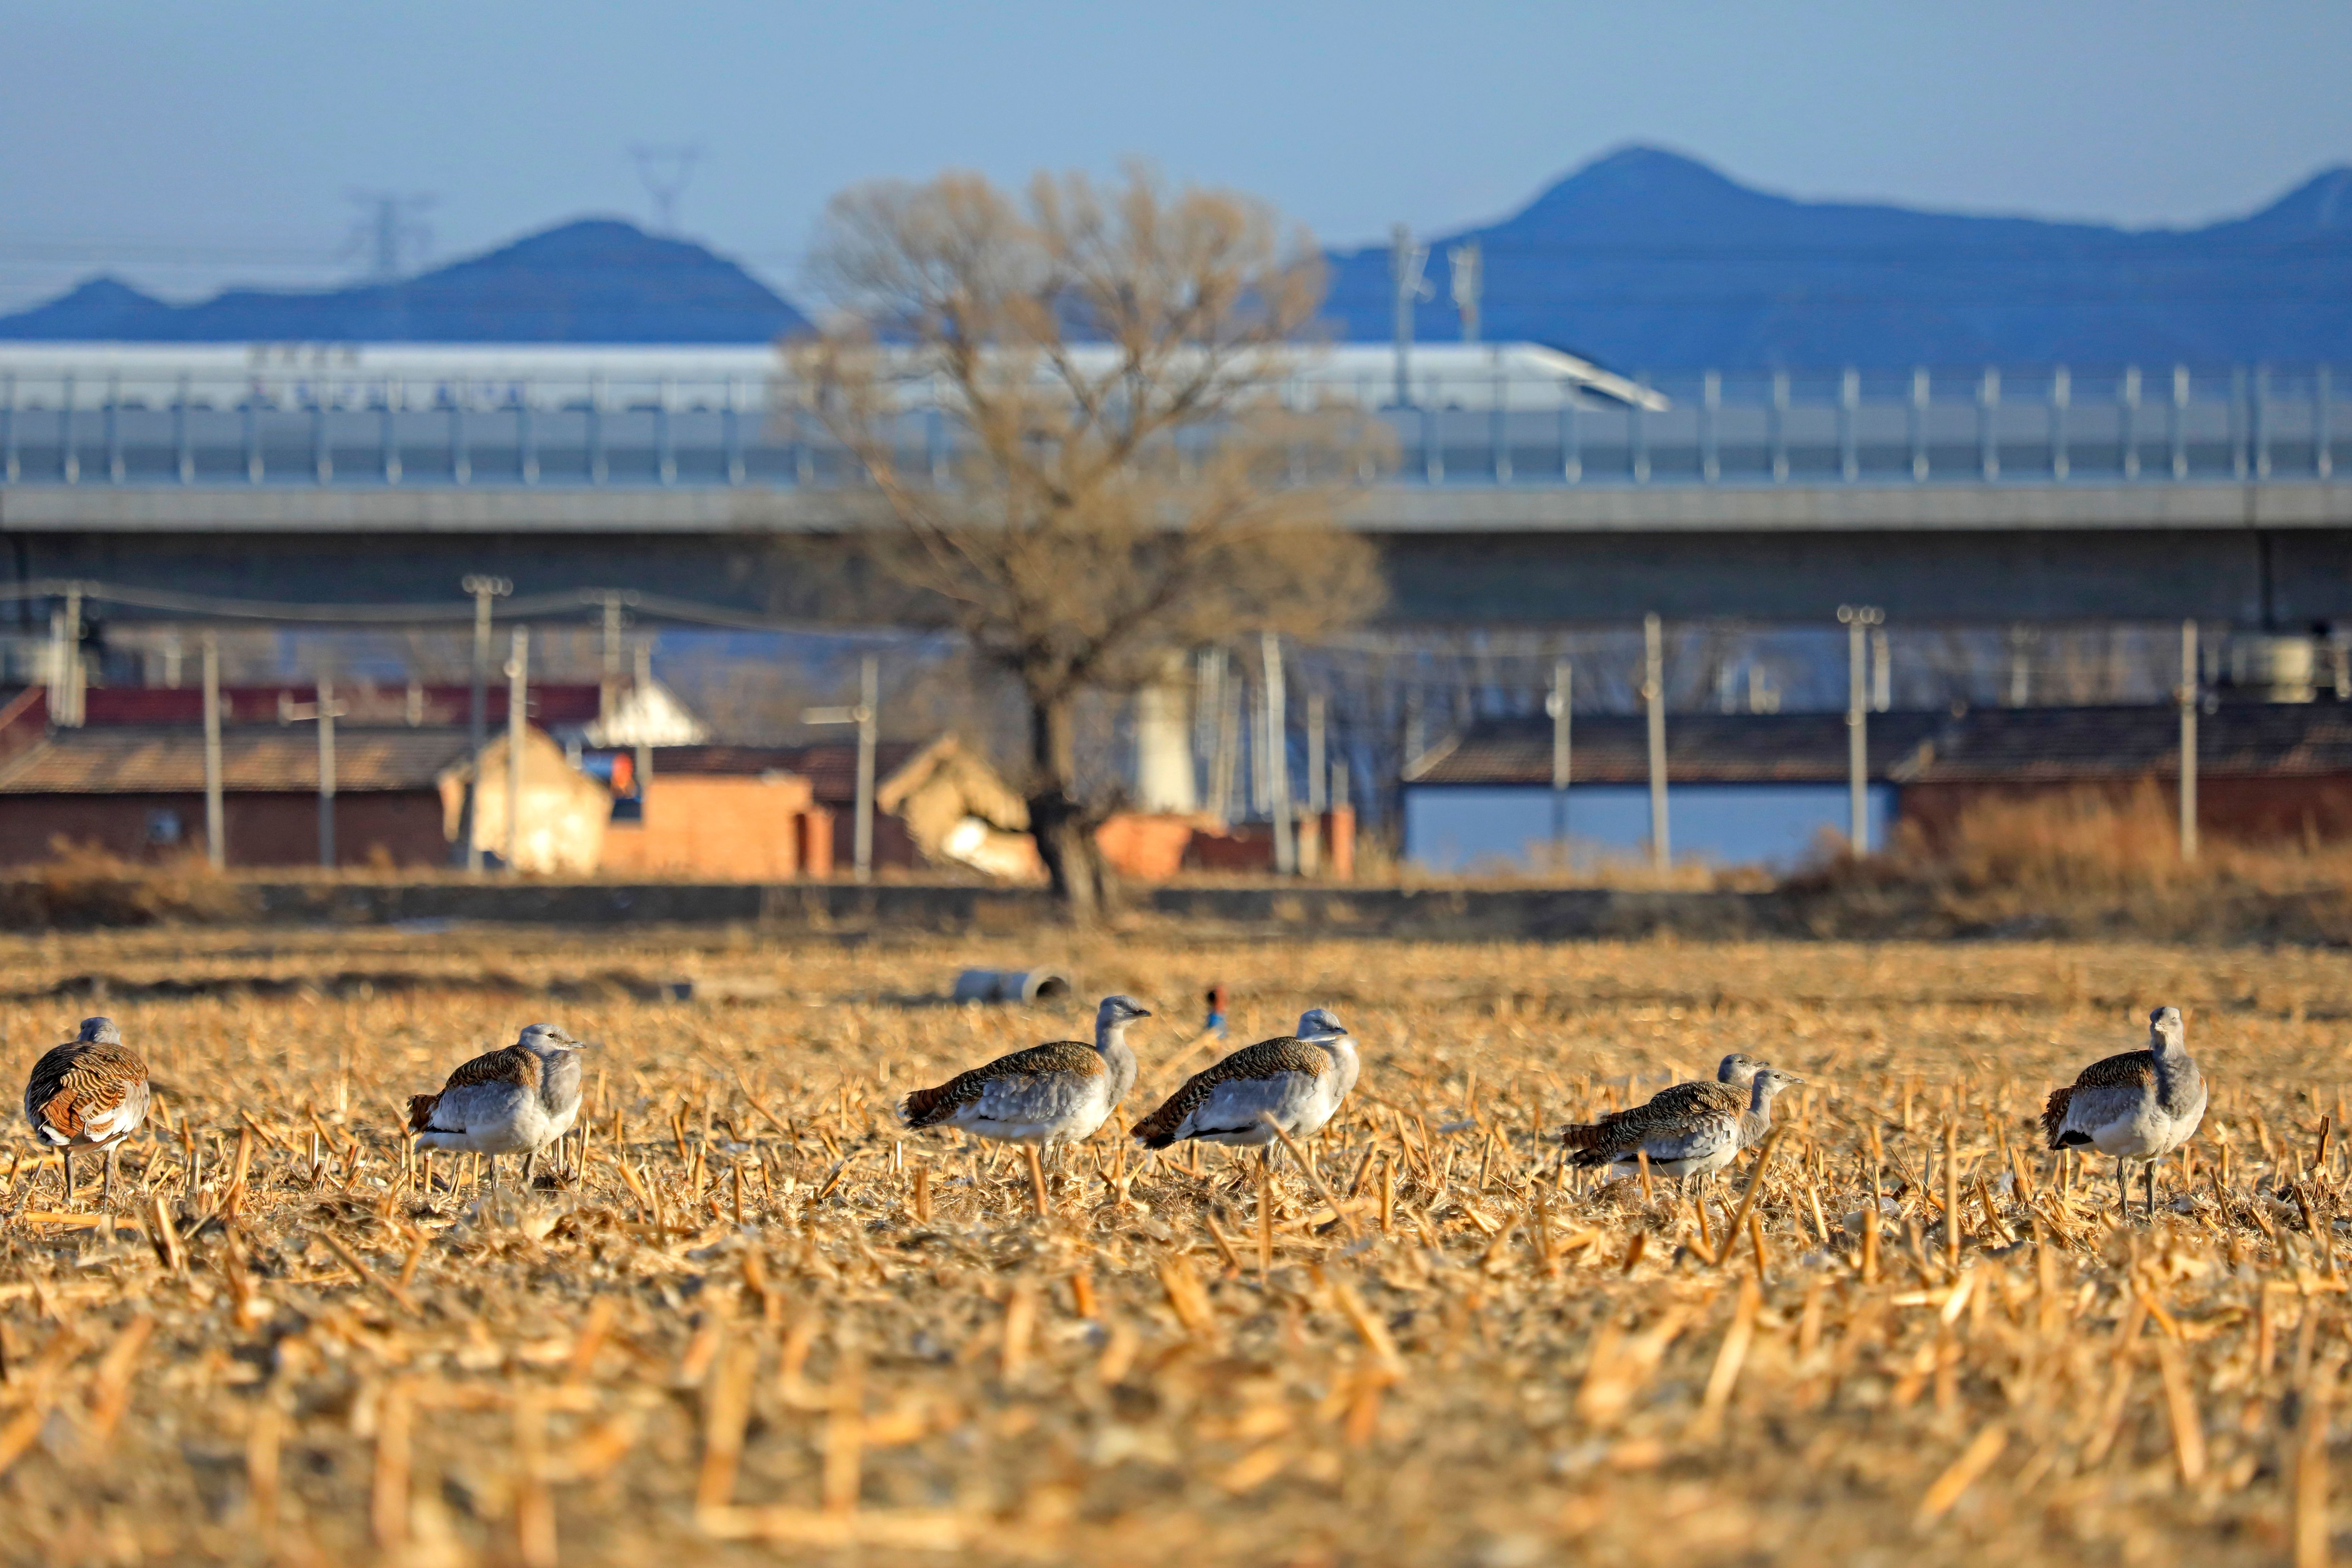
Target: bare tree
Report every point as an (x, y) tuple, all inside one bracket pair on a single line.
[(1121, 475)]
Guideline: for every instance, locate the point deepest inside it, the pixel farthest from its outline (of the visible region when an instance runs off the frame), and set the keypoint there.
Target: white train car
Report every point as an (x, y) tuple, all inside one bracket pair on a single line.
[(97, 377)]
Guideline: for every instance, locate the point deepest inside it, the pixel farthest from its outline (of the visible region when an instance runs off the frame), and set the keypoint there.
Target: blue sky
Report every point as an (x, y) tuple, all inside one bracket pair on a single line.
[(183, 146)]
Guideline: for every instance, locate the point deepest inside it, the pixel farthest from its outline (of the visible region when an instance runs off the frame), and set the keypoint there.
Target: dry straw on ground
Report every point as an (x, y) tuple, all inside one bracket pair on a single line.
[(764, 1321)]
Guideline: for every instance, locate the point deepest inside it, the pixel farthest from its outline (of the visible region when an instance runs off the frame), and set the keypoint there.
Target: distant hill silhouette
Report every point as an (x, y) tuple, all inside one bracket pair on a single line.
[(596, 281), (1643, 259), (1647, 259)]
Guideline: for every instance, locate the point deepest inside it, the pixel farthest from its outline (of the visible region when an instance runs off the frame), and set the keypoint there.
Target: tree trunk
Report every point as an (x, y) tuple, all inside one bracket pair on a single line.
[(1066, 840)]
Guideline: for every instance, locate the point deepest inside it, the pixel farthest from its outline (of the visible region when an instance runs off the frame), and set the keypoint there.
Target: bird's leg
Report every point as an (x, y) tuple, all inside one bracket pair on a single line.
[(64, 1158), (2123, 1189), (2151, 1192), (530, 1167), (106, 1192)]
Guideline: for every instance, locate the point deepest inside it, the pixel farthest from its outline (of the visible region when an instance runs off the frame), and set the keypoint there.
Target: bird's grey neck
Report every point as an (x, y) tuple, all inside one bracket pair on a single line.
[(2176, 1076), (1110, 1040), (559, 1077), (1342, 1047), (1758, 1117)]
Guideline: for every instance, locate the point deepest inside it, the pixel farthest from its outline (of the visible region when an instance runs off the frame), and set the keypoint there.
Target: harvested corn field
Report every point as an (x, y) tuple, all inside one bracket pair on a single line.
[(751, 1316)]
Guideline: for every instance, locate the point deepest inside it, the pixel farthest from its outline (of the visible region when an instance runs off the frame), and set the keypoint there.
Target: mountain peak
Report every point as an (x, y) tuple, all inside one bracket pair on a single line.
[(1649, 188), (2323, 201), (596, 279)]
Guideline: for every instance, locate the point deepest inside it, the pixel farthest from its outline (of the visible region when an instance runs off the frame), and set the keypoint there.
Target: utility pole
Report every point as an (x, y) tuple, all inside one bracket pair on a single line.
[(1654, 692), (1558, 704), (484, 589), (644, 737), (518, 705), (1405, 262), (1469, 284), (65, 661), (325, 711), (864, 715), (1311, 846), (326, 704), (608, 691), (2188, 696), (1858, 619), (216, 837), (1277, 757)]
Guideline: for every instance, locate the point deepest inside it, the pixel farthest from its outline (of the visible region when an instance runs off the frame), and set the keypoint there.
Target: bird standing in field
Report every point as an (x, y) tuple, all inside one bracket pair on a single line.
[(1688, 1130), (89, 1093), (1726, 1092), (1294, 1082), (2141, 1105), (1058, 1093), (512, 1102)]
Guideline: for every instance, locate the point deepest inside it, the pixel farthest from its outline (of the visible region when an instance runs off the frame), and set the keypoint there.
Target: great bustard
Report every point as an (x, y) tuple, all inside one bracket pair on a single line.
[(1058, 1093), (1688, 1129), (2141, 1105), (89, 1093), (517, 1100), (1294, 1082)]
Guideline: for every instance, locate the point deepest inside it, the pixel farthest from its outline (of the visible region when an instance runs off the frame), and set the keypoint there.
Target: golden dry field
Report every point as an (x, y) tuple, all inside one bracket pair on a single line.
[(764, 1322)]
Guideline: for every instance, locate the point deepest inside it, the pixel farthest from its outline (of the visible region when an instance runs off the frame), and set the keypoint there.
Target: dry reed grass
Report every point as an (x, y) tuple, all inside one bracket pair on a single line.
[(80, 887), (764, 1320), (2082, 863)]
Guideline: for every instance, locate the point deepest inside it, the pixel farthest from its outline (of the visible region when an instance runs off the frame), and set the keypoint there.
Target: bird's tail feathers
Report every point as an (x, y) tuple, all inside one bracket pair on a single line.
[(1156, 1131), (1592, 1144), (420, 1110), (2054, 1117), (924, 1106)]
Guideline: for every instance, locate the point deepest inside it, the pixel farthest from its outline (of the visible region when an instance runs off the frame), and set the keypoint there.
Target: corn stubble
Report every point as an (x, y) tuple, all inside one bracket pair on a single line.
[(762, 1319)]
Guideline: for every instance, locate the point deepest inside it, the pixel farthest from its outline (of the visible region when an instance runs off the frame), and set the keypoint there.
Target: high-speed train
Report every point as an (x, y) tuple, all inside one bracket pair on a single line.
[(1525, 377)]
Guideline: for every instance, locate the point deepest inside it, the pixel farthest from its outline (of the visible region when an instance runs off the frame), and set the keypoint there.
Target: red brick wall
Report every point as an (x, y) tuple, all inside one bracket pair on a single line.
[(262, 829), (726, 826)]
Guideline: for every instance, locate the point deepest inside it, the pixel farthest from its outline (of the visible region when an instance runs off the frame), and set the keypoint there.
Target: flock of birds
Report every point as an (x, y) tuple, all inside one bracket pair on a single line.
[(89, 1094)]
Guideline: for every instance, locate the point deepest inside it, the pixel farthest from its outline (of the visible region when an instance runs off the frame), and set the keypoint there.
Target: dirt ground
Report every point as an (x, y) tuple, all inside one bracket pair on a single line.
[(764, 1321)]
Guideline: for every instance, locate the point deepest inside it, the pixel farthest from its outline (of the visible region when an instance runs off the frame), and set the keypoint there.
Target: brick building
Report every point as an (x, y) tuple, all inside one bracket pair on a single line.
[(137, 791)]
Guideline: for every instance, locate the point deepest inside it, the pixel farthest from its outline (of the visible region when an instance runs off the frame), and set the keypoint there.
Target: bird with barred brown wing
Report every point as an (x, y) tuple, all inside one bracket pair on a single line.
[(90, 1094)]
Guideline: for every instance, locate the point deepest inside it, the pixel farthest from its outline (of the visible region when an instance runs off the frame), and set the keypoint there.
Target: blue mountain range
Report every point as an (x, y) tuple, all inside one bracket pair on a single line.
[(598, 280), (1647, 259), (1643, 259)]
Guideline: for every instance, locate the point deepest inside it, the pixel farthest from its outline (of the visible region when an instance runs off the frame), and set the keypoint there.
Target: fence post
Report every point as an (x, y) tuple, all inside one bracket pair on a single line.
[(1849, 411), (517, 703), (326, 695), (2188, 696), (215, 845), (1561, 705), (1858, 619), (1654, 692)]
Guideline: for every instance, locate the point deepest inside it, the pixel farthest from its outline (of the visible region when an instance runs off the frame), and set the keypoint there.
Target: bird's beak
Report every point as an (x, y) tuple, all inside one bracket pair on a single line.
[(1143, 1012)]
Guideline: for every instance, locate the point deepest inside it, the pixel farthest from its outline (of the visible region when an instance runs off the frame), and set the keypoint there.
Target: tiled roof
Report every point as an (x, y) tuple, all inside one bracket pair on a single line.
[(549, 704), (170, 760), (2249, 740), (1701, 748)]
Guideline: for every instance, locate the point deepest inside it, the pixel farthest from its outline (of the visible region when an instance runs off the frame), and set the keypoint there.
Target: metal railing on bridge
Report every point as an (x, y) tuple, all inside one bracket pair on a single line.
[(1975, 427)]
